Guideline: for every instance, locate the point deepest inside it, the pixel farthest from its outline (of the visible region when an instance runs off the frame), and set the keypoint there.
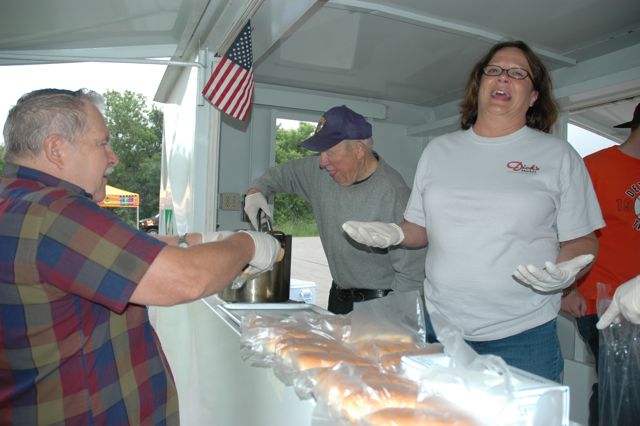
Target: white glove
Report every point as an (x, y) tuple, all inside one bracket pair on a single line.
[(626, 303), (210, 236), (374, 234), (252, 205), (267, 250), (553, 276)]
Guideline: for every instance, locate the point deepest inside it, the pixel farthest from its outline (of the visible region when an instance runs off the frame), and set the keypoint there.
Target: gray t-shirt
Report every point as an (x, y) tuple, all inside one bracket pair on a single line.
[(382, 197)]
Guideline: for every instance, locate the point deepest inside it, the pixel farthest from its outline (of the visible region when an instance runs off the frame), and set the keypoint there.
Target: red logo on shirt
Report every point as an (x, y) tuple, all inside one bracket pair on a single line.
[(520, 167)]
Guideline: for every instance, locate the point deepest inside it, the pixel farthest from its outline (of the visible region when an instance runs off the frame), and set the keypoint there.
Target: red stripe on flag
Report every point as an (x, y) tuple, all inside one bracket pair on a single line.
[(221, 82), (230, 87), (208, 90), (238, 88), (242, 95), (247, 101)]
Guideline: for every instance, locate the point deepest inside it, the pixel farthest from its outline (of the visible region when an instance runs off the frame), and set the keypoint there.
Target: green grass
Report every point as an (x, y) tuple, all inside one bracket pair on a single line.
[(297, 229)]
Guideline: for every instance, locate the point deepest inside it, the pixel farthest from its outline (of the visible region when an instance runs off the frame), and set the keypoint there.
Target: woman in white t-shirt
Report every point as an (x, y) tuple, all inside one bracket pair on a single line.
[(508, 212)]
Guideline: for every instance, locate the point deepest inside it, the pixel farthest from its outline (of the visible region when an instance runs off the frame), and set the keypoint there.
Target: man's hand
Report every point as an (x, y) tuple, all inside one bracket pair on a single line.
[(625, 303), (552, 277), (374, 234), (574, 303), (253, 203), (267, 251)]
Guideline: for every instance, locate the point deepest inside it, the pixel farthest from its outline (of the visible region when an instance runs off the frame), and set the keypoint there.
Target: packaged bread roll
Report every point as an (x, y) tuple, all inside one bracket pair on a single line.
[(412, 417), (389, 335), (306, 360), (376, 348), (288, 349), (339, 378), (333, 385), (376, 397), (280, 336)]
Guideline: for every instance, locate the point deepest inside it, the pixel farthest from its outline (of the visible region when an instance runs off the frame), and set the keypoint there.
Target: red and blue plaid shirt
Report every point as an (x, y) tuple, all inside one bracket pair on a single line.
[(73, 350)]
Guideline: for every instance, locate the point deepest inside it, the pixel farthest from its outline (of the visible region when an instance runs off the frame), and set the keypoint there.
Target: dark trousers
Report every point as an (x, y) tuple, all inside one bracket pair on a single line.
[(341, 300), (591, 336)]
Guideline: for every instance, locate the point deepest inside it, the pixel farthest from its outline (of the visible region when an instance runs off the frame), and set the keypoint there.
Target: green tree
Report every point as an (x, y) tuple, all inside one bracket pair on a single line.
[(136, 137), (290, 210)]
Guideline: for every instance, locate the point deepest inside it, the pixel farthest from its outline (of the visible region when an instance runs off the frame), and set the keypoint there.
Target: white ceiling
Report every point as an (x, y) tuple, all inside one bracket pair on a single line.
[(410, 51)]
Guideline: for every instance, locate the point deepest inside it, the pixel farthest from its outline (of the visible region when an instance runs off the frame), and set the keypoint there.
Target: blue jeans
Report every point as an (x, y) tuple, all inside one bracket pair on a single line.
[(536, 350)]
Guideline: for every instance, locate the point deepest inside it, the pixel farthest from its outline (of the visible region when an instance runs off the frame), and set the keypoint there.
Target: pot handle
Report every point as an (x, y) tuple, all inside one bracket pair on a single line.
[(264, 222)]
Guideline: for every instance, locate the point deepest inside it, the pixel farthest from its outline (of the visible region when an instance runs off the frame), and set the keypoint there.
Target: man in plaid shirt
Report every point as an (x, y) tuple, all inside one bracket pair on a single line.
[(76, 345)]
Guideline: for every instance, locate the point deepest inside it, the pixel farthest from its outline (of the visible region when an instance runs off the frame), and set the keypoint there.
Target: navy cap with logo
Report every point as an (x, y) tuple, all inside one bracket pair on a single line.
[(635, 121), (335, 125)]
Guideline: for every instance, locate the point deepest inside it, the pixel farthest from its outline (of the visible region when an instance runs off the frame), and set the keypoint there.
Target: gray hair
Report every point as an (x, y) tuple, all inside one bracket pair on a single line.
[(45, 112), (368, 142)]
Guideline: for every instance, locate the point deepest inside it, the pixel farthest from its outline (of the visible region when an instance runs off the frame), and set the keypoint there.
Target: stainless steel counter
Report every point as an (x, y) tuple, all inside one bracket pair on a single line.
[(232, 313)]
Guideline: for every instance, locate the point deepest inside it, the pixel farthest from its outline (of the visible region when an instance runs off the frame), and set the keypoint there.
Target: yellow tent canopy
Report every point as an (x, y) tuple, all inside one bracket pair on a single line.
[(119, 198)]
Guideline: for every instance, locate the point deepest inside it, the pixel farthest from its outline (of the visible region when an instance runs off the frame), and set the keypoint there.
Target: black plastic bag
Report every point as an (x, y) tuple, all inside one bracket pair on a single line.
[(619, 370)]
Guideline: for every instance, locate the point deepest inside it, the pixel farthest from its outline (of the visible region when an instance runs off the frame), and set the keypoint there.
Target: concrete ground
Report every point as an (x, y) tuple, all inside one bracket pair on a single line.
[(309, 263)]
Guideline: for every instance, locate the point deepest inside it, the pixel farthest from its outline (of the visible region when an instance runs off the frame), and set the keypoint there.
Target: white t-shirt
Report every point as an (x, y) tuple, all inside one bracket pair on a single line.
[(489, 205)]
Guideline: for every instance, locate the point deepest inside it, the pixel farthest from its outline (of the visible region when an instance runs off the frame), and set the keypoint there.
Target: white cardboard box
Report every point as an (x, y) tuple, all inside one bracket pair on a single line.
[(527, 388), (302, 291)]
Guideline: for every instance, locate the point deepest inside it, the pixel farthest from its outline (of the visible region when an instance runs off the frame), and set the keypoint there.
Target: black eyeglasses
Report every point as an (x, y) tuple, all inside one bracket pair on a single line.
[(515, 73)]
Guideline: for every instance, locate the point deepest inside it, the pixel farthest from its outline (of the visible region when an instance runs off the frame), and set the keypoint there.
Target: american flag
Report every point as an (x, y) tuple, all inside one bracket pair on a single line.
[(230, 87)]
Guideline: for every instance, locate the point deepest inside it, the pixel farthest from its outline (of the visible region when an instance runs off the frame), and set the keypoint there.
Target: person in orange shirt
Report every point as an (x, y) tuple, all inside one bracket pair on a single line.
[(615, 173)]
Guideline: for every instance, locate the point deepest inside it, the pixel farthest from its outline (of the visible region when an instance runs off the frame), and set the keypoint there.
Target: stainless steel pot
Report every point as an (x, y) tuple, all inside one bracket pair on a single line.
[(269, 286)]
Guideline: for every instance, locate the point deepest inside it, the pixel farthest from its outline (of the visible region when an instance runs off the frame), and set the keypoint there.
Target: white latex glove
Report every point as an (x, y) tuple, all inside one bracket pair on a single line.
[(252, 205), (210, 236), (552, 277), (374, 234), (626, 303), (267, 249)]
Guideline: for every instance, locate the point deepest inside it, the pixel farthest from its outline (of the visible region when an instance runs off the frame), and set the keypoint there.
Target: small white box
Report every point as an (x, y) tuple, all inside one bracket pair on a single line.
[(527, 387), (302, 291)]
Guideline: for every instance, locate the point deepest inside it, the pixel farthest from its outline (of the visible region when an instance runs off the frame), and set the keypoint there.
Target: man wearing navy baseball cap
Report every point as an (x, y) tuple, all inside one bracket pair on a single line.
[(336, 125), (347, 180)]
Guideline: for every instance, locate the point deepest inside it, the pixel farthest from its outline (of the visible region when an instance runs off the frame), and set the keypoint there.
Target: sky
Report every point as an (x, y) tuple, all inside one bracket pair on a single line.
[(586, 142), (145, 78), (98, 76)]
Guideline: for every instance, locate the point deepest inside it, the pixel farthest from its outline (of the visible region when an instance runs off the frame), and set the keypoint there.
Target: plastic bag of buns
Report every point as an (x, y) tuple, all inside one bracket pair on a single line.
[(377, 348), (418, 417), (298, 360), (305, 383), (350, 394), (391, 362), (336, 326), (387, 354), (263, 335), (398, 317), (483, 384), (346, 392)]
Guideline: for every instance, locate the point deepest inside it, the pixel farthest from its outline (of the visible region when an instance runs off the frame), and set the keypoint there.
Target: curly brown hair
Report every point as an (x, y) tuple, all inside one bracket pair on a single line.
[(544, 111)]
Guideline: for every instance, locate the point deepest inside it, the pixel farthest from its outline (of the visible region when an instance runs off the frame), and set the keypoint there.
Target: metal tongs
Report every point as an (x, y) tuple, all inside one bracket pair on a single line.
[(248, 271)]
